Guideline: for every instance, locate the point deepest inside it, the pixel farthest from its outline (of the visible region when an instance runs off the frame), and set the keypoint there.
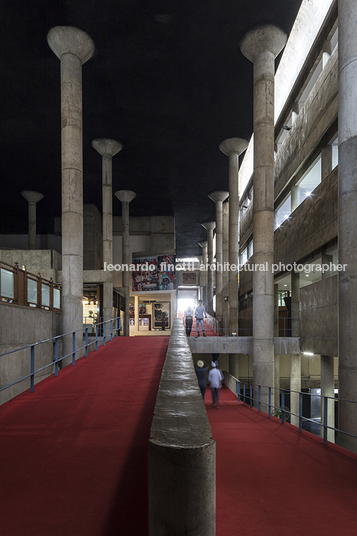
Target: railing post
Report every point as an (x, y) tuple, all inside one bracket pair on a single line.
[(282, 406), (325, 420), (244, 394), (104, 333), (111, 330), (73, 348), (32, 368), (269, 402), (238, 389), (259, 404), (117, 326), (56, 357), (251, 395), (300, 412), (96, 336), (86, 335)]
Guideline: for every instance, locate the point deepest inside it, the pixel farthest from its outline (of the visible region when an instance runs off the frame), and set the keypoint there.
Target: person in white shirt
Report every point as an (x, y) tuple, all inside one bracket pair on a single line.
[(215, 377), (199, 314)]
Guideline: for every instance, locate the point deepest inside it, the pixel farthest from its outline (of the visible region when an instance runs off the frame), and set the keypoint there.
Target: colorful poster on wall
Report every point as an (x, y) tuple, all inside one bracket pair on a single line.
[(189, 278), (153, 273)]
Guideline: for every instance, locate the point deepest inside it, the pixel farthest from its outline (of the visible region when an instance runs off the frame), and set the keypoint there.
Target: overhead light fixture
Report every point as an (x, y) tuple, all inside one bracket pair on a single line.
[(308, 353), (286, 127), (307, 194)]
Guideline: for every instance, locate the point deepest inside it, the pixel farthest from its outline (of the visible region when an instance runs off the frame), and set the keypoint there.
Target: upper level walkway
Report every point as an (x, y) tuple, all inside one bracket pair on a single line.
[(74, 457)]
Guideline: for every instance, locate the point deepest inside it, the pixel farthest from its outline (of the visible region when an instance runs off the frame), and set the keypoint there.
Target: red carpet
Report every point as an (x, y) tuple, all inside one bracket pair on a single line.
[(74, 453), (272, 480)]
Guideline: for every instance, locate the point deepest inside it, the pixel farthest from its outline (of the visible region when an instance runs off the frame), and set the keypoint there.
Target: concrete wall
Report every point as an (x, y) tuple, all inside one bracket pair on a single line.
[(20, 326), (318, 317), (47, 262), (92, 238), (182, 452), (312, 225)]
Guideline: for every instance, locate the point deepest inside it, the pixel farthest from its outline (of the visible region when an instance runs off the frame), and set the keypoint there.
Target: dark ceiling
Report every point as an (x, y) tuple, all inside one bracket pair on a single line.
[(167, 80)]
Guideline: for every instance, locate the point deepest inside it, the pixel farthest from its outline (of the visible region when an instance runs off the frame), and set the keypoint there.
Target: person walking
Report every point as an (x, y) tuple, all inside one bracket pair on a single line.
[(188, 314), (199, 314), (201, 372), (215, 377)]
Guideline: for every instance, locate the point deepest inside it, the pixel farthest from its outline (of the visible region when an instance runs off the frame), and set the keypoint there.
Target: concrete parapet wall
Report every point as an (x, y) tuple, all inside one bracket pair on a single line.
[(318, 314), (240, 345), (21, 326), (182, 452)]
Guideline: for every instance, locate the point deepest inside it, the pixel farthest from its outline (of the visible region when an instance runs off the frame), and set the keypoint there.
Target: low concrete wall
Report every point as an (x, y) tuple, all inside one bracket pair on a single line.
[(240, 345), (182, 452), (20, 326)]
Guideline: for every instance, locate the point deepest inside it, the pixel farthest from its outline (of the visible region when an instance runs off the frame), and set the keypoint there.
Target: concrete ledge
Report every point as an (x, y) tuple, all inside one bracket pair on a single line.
[(182, 452), (240, 345)]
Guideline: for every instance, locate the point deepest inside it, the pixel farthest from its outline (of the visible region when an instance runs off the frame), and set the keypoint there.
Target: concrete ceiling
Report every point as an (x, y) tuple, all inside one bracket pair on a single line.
[(167, 80)]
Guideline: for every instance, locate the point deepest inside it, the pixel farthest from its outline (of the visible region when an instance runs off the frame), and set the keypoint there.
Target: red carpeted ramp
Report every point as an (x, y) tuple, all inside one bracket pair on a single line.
[(274, 481), (73, 454)]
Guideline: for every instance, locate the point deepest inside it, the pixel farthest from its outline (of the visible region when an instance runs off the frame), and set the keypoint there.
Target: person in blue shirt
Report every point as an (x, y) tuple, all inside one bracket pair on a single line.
[(199, 314)]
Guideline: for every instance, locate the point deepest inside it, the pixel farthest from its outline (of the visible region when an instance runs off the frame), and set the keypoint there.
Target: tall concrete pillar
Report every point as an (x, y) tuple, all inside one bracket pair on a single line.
[(107, 149), (347, 220), (328, 389), (233, 148), (203, 273), (225, 288), (209, 226), (125, 196), (261, 45), (218, 197), (73, 47), (295, 303), (32, 198), (295, 386)]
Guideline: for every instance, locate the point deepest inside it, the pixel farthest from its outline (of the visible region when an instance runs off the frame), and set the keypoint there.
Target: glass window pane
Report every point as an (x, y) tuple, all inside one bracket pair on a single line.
[(31, 291), (7, 283), (45, 295), (56, 298)]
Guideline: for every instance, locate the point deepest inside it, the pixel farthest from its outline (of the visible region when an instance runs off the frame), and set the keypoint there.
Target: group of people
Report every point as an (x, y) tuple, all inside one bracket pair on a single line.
[(215, 377), (199, 313)]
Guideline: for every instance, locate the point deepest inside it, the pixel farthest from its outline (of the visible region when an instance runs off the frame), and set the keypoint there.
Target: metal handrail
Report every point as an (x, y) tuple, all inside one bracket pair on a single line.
[(57, 359), (284, 411)]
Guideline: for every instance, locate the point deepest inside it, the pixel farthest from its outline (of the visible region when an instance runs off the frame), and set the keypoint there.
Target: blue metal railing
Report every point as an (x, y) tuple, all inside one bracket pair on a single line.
[(99, 339), (282, 412)]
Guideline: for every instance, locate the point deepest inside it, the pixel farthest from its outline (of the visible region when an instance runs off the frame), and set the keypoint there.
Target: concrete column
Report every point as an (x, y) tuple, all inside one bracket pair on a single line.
[(233, 148), (328, 389), (295, 385), (136, 314), (276, 310), (203, 273), (125, 196), (209, 226), (295, 197), (276, 391), (261, 45), (107, 149), (295, 303), (32, 198), (326, 161), (347, 219), (73, 47), (225, 289), (218, 197)]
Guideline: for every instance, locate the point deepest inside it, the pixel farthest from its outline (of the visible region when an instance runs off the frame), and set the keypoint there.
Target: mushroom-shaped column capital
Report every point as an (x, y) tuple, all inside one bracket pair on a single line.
[(263, 38), (125, 195), (203, 244), (233, 145), (32, 197), (106, 146), (208, 225), (218, 195), (69, 40)]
